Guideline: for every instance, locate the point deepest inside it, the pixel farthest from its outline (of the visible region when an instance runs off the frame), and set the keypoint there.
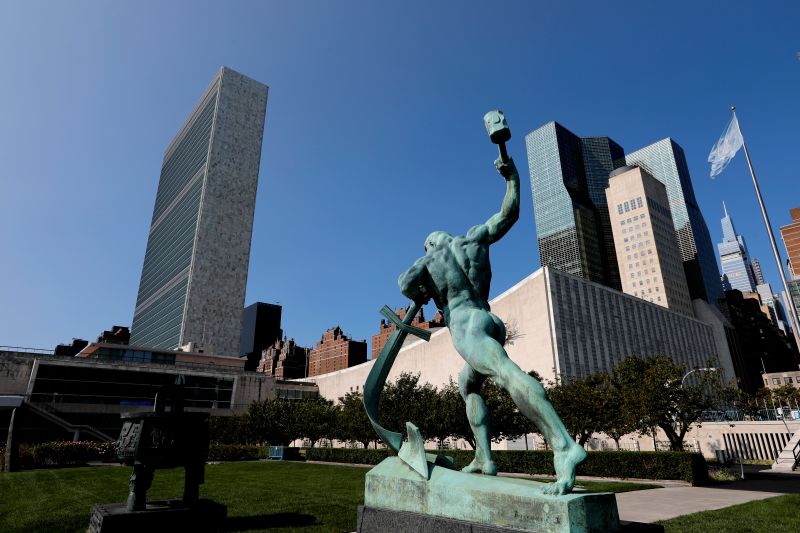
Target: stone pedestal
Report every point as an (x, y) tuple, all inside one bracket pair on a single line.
[(485, 504), (160, 515)]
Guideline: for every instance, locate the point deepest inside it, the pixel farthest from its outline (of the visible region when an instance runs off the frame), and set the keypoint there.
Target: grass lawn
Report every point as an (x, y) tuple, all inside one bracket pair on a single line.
[(261, 496), (773, 514)]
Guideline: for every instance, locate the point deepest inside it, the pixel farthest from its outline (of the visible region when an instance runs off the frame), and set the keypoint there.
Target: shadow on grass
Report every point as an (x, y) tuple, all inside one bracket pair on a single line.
[(269, 521), (758, 482)]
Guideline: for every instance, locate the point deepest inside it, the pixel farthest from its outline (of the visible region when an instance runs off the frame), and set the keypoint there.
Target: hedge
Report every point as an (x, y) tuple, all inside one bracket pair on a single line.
[(66, 453), (63, 453), (248, 452), (642, 465)]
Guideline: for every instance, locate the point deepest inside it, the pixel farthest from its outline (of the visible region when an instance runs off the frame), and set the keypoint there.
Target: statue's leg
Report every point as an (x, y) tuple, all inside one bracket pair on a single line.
[(487, 356), (469, 384)]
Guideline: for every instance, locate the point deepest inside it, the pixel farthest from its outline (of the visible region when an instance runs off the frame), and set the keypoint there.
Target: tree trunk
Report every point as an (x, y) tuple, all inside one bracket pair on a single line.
[(675, 440)]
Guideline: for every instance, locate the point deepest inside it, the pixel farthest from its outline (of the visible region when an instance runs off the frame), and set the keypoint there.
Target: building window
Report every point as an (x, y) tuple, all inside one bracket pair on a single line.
[(776, 381), (787, 380), (619, 210), (639, 202)]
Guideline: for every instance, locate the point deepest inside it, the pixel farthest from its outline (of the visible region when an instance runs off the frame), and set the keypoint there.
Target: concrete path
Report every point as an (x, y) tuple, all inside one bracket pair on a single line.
[(662, 504)]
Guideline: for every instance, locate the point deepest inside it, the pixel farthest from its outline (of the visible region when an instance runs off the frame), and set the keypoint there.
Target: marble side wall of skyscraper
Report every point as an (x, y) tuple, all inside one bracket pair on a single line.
[(195, 267)]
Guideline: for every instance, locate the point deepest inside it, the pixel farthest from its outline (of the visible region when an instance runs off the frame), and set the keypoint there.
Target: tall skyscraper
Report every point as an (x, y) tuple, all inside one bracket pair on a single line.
[(758, 274), (736, 269), (195, 266), (569, 176), (647, 251), (665, 161)]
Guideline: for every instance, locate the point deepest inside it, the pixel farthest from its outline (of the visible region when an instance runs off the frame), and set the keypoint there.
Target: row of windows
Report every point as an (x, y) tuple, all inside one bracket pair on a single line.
[(777, 381), (630, 205)]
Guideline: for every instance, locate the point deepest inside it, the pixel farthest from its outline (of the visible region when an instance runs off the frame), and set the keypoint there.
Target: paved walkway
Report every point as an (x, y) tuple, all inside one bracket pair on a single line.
[(662, 504)]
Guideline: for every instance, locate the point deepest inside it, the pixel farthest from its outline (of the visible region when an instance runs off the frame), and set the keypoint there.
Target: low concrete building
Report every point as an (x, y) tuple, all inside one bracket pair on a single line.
[(562, 326), (92, 392)]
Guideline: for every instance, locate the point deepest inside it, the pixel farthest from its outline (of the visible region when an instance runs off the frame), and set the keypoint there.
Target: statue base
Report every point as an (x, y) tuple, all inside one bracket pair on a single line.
[(160, 515), (483, 503)]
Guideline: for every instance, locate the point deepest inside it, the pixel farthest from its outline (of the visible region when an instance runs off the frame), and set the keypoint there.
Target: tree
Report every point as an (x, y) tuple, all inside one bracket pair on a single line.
[(614, 420), (580, 404), (448, 416), (654, 395), (228, 429), (315, 419), (505, 420), (786, 395), (273, 421), (405, 400), (353, 424)]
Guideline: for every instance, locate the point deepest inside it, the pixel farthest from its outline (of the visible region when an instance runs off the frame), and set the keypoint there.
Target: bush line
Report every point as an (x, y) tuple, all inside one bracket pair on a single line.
[(683, 466)]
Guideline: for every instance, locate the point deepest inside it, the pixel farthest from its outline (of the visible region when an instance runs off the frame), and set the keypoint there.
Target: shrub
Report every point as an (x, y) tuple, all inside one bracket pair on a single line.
[(236, 452), (248, 452), (347, 455), (644, 465), (62, 453), (65, 453), (721, 475)]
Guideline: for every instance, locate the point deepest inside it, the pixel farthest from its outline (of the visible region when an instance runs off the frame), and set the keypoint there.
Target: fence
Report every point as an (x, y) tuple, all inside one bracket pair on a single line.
[(753, 446)]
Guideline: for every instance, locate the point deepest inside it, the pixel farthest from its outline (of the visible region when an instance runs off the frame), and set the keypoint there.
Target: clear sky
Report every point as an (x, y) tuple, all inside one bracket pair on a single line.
[(373, 135)]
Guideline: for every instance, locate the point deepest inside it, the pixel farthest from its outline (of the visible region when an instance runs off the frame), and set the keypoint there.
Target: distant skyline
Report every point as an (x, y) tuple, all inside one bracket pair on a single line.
[(373, 135)]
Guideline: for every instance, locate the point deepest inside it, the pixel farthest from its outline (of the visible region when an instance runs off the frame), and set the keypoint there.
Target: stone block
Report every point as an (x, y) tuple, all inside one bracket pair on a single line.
[(160, 515), (510, 503)]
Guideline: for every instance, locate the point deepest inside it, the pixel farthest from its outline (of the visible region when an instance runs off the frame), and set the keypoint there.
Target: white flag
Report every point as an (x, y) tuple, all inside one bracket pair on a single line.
[(726, 147)]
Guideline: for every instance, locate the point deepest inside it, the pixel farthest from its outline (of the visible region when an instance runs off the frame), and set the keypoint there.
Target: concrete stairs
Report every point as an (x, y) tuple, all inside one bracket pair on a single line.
[(787, 459), (77, 429)]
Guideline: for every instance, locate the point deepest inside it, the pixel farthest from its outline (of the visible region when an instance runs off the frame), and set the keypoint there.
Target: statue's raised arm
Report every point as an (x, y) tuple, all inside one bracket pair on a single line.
[(499, 224)]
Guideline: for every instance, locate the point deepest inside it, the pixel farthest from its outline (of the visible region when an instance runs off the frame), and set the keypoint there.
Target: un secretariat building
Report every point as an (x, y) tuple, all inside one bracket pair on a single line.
[(195, 268)]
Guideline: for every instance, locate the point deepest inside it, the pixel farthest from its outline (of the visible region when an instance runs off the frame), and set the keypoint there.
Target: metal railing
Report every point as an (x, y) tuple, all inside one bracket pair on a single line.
[(21, 349)]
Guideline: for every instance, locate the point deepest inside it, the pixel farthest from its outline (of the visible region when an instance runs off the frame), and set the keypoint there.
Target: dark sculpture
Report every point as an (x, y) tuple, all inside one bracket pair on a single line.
[(165, 438)]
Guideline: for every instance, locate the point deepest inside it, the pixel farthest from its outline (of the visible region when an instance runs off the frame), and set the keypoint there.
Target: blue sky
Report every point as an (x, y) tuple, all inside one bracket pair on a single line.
[(373, 134)]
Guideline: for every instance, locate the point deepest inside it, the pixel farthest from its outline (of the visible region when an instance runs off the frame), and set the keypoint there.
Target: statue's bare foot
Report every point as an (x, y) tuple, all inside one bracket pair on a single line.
[(565, 464), (481, 467)]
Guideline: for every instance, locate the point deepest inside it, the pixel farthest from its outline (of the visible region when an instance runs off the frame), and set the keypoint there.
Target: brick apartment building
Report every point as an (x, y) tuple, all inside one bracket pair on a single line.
[(335, 351), (386, 328), (284, 360)]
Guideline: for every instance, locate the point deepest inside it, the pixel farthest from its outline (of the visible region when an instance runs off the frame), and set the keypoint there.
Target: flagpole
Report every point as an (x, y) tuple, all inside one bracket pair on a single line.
[(775, 252)]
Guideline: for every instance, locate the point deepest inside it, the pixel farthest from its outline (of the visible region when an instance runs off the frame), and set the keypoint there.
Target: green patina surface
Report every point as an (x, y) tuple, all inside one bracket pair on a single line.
[(499, 501), (455, 273)]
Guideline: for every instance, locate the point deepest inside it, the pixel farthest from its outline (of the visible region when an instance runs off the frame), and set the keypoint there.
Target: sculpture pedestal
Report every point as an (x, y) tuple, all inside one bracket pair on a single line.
[(160, 515), (456, 500)]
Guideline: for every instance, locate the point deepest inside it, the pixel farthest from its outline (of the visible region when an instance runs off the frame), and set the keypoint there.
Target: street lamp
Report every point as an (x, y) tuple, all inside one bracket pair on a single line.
[(709, 369)]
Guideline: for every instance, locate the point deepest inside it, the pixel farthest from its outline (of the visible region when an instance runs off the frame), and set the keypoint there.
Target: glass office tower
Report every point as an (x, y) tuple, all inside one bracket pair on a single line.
[(569, 176), (195, 266), (666, 161), (736, 271)]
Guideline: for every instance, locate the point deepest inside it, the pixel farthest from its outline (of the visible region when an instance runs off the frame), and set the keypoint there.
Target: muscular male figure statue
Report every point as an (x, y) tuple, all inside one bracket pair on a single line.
[(455, 272)]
